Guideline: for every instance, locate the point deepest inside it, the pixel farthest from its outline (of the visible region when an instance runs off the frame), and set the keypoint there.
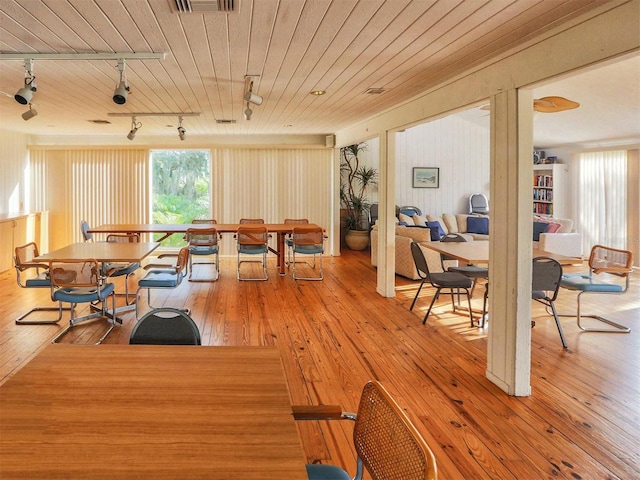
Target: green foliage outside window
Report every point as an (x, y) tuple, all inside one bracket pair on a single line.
[(181, 188)]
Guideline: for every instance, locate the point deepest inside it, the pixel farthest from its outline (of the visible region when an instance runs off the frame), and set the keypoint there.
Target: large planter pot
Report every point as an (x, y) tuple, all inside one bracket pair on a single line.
[(357, 239)]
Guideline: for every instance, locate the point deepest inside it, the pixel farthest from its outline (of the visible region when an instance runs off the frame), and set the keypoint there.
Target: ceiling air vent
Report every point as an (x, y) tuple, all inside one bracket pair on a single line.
[(374, 91), (204, 6), (225, 121)]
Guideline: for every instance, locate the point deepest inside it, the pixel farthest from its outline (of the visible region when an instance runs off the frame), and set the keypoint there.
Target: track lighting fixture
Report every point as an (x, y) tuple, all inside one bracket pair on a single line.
[(181, 131), (29, 114), (251, 97), (135, 126), (248, 112), (122, 89), (25, 94)]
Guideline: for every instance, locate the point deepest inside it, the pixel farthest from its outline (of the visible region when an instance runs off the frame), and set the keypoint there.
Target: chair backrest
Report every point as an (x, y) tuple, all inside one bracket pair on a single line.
[(84, 228), (251, 221), (373, 214), (202, 237), (478, 203), (387, 443), (123, 238), (308, 236), (546, 276), (182, 260), (610, 260), (420, 261), (165, 326), (410, 211), (252, 236), (25, 255), (204, 220), (296, 221), (75, 273), (453, 237)]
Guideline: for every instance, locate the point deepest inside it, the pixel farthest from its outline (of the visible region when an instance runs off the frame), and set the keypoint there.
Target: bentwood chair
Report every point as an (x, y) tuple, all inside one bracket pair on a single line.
[(289, 239), (165, 326), (203, 242), (546, 276), (605, 264), (24, 263), (308, 240), (113, 269), (387, 444), (81, 281), (163, 278), (451, 281), (252, 240)]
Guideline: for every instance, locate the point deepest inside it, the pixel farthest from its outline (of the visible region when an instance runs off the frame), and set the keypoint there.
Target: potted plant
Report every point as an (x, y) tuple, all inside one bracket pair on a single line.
[(355, 179)]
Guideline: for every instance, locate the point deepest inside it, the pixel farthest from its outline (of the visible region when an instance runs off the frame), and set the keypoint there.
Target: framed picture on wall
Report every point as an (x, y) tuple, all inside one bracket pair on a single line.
[(426, 177)]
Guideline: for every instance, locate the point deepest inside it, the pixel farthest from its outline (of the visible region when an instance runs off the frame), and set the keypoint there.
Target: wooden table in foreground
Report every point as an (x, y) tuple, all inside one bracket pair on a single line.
[(142, 411), (282, 229), (478, 252)]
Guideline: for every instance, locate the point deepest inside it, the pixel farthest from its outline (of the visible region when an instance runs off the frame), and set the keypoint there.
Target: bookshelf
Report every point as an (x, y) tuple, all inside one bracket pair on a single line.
[(550, 189)]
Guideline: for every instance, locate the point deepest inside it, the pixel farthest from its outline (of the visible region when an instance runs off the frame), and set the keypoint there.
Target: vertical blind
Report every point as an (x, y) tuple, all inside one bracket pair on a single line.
[(602, 193)]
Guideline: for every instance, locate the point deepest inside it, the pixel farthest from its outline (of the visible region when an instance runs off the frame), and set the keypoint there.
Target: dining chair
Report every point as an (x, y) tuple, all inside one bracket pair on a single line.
[(472, 271), (122, 269), (308, 240), (289, 239), (203, 242), (165, 326), (252, 240), (24, 263), (387, 444), (81, 281), (605, 264), (546, 276), (451, 281), (163, 278)]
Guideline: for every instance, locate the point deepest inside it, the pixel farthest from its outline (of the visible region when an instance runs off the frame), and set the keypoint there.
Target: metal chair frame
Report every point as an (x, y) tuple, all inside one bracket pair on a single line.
[(203, 242), (387, 444), (90, 287), (308, 241), (471, 271), (122, 269), (252, 240), (289, 240), (546, 275), (602, 259)]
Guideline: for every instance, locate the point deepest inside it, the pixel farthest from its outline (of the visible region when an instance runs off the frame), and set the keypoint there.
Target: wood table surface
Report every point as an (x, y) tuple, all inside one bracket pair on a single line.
[(102, 251), (152, 412)]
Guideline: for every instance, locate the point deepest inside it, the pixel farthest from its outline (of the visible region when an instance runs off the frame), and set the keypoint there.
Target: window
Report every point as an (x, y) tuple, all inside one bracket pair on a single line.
[(180, 188)]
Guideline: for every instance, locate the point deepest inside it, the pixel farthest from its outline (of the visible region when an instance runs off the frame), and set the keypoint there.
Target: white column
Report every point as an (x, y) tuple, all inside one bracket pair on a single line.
[(509, 343), (386, 279)]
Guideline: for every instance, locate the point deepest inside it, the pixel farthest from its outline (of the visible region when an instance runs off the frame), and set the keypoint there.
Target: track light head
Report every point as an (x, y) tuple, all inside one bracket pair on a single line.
[(24, 96), (253, 98), (182, 133), (247, 113), (121, 92), (29, 114), (135, 126)]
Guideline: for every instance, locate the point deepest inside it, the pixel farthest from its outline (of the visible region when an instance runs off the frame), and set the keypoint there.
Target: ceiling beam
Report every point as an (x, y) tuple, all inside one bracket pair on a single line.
[(82, 56)]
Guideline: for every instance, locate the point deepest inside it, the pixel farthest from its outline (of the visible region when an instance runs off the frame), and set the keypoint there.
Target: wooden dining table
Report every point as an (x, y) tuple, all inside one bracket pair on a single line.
[(147, 411), (281, 229)]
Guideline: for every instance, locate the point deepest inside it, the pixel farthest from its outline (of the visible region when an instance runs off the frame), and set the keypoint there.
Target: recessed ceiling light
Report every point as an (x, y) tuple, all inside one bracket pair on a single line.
[(318, 92)]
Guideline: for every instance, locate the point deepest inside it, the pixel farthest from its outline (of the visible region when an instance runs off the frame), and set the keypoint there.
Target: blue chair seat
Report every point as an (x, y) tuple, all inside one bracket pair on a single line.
[(160, 278), (208, 250), (42, 280), (253, 249), (83, 294), (317, 471), (309, 249), (586, 283), (120, 269)]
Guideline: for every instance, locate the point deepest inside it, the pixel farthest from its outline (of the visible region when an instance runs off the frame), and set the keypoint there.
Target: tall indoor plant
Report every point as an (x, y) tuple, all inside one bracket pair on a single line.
[(354, 182)]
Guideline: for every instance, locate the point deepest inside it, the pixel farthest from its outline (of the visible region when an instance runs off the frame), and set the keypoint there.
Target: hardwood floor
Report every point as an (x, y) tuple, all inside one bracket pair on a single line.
[(582, 420)]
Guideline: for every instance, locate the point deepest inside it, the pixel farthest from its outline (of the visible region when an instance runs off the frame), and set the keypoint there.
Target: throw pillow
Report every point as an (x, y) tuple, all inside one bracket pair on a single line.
[(478, 225), (538, 228), (405, 218), (419, 220), (553, 227), (436, 231)]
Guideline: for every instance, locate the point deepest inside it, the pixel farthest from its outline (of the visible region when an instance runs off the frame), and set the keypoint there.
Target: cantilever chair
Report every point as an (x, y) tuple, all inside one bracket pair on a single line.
[(387, 444), (81, 281), (122, 269), (289, 239), (165, 326), (478, 203), (164, 278), (603, 262), (203, 242), (546, 276), (445, 280), (23, 261), (308, 240), (252, 240)]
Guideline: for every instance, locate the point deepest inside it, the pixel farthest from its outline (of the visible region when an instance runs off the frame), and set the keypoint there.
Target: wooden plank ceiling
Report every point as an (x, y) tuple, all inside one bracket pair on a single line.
[(293, 47)]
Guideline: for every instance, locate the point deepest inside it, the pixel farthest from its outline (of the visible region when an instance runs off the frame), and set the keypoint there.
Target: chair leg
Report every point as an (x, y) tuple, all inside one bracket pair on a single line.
[(204, 280), (433, 300), (555, 317), (73, 322), (313, 266), (417, 294), (617, 328), (21, 319)]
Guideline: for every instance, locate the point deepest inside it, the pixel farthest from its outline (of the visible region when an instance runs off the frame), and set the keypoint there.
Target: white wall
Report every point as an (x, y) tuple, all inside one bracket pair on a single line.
[(13, 162)]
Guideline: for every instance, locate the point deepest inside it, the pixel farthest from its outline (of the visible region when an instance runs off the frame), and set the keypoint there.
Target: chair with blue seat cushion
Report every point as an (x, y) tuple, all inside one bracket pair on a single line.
[(308, 240), (24, 263), (203, 242), (546, 276), (81, 281), (289, 239), (605, 264), (252, 240), (163, 278), (118, 269), (387, 444), (165, 326)]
